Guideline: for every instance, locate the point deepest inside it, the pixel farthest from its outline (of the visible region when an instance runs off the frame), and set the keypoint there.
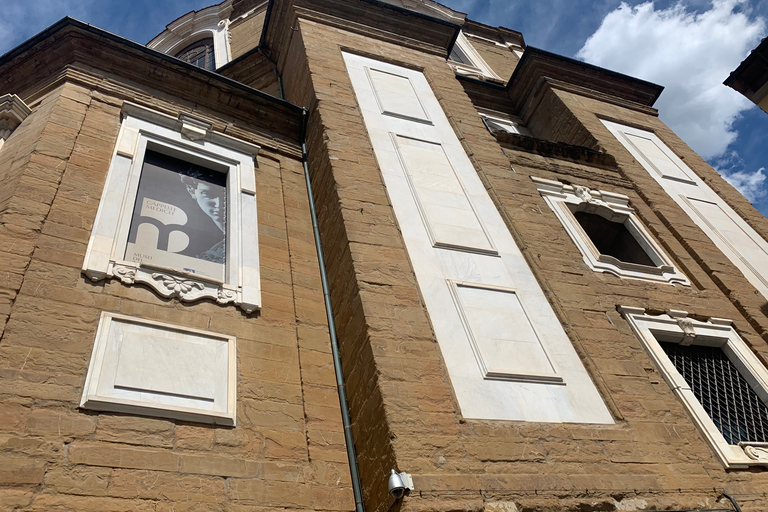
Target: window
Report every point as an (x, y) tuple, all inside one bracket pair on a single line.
[(610, 236), (723, 386), (737, 411), (458, 55), (155, 369), (747, 249), (465, 60), (496, 124), (178, 212), (199, 37), (12, 112), (199, 54), (605, 229)]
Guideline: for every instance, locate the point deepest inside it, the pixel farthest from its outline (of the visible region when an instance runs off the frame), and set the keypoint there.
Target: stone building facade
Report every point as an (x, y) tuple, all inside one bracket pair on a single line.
[(527, 275)]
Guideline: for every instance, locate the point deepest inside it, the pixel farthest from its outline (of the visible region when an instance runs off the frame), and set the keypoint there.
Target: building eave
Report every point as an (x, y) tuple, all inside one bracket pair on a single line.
[(78, 44)]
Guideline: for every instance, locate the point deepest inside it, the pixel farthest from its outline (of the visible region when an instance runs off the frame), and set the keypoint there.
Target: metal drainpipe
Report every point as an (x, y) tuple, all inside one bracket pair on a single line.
[(733, 501), (332, 328)]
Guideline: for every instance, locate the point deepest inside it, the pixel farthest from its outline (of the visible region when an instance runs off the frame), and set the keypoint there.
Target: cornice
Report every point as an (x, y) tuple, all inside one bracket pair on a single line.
[(538, 64), (498, 35), (373, 18), (117, 63), (12, 112), (145, 98), (558, 150)]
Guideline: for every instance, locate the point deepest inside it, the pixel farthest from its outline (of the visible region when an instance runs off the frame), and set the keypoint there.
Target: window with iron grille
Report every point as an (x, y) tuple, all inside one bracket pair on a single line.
[(739, 414), (200, 54), (718, 378)]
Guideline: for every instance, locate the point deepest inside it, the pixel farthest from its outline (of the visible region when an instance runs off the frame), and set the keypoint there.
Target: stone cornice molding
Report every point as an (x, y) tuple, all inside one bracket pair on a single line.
[(538, 67), (540, 71), (12, 112), (100, 57), (559, 150), (373, 18)]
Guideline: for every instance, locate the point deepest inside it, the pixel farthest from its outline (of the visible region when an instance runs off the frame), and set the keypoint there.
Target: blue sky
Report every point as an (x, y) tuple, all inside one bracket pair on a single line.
[(689, 47)]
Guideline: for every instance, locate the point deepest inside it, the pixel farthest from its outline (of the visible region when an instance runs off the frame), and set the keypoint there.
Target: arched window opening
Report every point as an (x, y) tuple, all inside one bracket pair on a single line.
[(200, 54), (613, 238)]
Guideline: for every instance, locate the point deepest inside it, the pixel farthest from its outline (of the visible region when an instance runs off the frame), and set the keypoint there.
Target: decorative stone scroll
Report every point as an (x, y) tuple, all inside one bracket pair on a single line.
[(12, 112), (568, 200), (196, 236), (756, 451)]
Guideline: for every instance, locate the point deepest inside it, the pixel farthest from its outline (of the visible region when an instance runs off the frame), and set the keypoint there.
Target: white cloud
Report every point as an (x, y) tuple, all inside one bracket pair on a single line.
[(751, 185), (688, 53)]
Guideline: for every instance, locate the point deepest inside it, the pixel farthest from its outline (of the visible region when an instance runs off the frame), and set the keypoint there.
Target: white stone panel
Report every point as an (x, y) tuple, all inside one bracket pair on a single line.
[(505, 342), (459, 202), (157, 369), (658, 160), (447, 213), (740, 243), (396, 96)]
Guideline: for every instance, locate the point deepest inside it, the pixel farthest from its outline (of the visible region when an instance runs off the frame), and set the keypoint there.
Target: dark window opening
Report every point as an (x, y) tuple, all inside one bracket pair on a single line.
[(200, 54), (457, 55), (613, 239), (739, 414)]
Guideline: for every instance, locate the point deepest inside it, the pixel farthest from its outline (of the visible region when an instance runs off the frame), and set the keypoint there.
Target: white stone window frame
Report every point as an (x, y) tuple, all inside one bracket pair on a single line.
[(192, 140), (209, 22), (122, 378), (561, 197), (13, 111), (504, 123), (676, 327), (478, 68)]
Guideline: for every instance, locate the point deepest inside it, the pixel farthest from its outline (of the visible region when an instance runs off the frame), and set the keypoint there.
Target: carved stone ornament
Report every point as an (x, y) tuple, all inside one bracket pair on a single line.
[(12, 112), (183, 286), (125, 273), (758, 453), (686, 324), (176, 285), (226, 296), (584, 194)]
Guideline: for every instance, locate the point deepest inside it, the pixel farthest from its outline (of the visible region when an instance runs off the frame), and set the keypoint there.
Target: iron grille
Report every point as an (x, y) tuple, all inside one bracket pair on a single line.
[(730, 401)]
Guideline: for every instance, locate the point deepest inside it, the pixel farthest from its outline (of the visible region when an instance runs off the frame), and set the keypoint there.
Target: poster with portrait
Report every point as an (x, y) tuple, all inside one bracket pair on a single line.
[(180, 217)]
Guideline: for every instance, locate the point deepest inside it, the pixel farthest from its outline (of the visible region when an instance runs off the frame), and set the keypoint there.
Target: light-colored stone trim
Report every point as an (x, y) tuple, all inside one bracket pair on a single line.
[(676, 327), (156, 369), (478, 69), (560, 196), (12, 112), (193, 139), (212, 22)]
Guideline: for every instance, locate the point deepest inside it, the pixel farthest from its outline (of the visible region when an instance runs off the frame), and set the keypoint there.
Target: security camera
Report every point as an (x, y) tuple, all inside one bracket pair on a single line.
[(400, 484)]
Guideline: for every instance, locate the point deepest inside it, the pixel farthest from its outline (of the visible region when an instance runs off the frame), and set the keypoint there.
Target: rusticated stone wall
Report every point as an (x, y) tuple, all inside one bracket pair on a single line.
[(287, 450), (653, 457)]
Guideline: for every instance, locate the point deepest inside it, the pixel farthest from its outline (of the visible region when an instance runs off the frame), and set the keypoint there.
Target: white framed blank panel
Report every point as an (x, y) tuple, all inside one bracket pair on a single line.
[(155, 369), (738, 241), (734, 235), (500, 330), (440, 196), (396, 96), (657, 158)]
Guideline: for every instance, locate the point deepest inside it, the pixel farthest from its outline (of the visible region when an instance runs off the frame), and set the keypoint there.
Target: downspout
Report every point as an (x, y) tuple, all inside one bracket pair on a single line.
[(732, 500), (349, 441)]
